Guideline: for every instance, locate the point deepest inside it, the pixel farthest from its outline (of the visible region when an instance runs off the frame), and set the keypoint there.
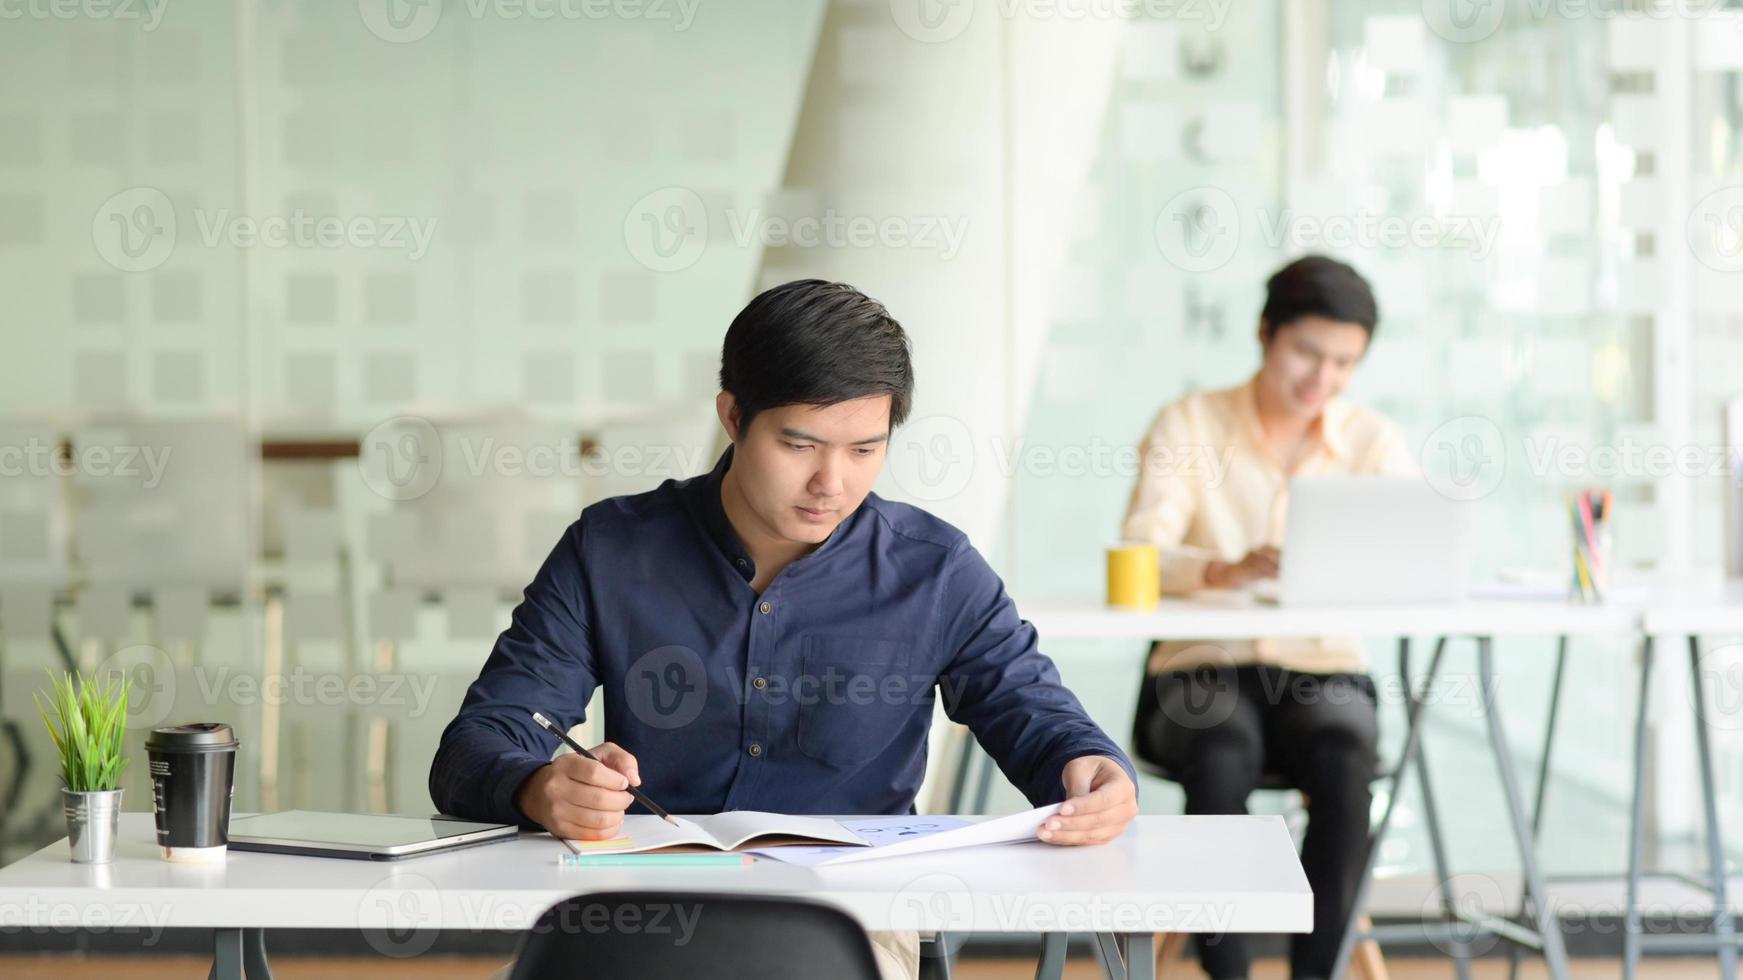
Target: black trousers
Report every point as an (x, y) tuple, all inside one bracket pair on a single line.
[(1217, 730)]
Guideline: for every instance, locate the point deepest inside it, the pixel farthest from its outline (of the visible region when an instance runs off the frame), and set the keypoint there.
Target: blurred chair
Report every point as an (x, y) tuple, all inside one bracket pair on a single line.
[(462, 511), (164, 514), (635, 453), (473, 503), (35, 550), (723, 936), (35, 541), (35, 572), (171, 506)]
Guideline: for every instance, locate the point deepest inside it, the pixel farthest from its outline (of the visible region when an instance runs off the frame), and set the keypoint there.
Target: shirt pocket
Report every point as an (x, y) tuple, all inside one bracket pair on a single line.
[(855, 694)]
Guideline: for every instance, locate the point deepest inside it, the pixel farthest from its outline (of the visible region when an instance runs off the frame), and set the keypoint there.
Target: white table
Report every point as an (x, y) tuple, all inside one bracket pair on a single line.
[(1697, 609), (1238, 615), (1166, 874), (1687, 610)]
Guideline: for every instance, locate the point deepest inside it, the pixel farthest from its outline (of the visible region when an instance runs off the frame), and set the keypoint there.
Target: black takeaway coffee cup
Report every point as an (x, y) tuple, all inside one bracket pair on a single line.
[(192, 776)]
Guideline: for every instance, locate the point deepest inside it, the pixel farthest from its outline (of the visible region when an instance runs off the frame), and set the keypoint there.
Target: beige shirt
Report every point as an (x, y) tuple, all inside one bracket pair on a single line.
[(1209, 489)]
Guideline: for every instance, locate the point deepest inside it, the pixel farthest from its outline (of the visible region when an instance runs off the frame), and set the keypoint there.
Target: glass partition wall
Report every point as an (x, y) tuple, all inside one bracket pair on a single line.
[(319, 324)]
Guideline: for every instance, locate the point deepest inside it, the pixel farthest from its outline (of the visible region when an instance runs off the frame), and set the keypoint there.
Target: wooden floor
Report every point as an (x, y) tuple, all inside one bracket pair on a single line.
[(15, 967)]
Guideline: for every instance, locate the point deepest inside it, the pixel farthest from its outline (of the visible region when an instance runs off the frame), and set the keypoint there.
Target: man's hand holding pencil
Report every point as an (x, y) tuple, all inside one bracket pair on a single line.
[(581, 798)]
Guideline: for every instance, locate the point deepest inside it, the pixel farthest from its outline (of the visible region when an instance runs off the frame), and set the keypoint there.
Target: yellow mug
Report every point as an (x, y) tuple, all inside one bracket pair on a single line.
[(1134, 576)]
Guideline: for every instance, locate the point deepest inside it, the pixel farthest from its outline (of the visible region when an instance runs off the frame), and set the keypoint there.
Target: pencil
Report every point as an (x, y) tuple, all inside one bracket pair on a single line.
[(640, 797)]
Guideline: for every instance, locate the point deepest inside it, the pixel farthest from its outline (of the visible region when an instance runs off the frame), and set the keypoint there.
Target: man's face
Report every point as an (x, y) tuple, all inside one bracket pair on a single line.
[(802, 469), (1310, 361)]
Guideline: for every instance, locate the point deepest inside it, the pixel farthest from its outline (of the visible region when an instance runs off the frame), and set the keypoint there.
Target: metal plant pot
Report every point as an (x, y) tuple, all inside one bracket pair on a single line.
[(93, 821)]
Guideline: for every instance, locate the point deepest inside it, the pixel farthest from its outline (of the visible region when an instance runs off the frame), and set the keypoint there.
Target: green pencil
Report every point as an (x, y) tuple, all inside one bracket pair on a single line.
[(656, 860)]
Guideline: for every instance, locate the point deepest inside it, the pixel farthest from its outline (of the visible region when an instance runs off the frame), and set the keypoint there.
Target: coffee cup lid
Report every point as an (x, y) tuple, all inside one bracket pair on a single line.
[(194, 737)]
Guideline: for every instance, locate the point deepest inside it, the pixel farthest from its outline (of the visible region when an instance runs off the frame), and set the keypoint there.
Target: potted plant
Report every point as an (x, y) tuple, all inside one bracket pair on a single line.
[(87, 719)]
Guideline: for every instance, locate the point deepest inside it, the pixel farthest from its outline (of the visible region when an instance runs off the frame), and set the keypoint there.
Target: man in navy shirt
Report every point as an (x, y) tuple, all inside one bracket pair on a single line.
[(772, 635)]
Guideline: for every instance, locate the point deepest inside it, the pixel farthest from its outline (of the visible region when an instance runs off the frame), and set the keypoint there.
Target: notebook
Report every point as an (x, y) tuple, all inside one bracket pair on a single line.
[(831, 842), (720, 832)]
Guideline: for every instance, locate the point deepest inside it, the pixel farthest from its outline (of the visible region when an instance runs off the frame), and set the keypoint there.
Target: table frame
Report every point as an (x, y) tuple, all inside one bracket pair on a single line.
[(1482, 621), (236, 904), (1543, 935), (1723, 939)]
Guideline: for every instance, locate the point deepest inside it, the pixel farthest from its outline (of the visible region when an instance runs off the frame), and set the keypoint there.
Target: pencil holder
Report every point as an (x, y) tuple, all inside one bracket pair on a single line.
[(1590, 514)]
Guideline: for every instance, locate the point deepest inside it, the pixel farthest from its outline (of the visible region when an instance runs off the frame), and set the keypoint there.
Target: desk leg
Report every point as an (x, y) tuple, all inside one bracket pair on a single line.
[(1631, 924), (1548, 927), (226, 955), (1449, 902), (1449, 905), (1107, 951), (1051, 965), (254, 954), (1555, 685), (1141, 956), (239, 953), (1723, 931), (1412, 746)]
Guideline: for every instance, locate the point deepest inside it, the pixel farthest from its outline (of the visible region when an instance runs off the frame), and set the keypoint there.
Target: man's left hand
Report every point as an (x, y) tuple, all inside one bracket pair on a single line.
[(1100, 801)]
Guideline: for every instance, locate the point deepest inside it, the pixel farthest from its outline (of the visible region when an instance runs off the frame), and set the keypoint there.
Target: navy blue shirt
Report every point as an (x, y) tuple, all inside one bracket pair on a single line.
[(814, 697)]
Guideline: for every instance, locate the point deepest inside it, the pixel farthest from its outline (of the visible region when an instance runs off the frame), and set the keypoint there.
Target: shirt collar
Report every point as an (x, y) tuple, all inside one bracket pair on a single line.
[(1247, 415), (1331, 427), (1328, 429), (725, 537), (714, 518)]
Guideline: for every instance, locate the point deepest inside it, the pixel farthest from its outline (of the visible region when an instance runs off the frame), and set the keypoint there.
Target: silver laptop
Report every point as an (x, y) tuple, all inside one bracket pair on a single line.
[(365, 836), (1373, 539)]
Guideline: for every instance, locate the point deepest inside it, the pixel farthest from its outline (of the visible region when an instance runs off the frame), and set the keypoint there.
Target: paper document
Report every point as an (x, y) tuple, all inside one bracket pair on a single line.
[(877, 831), (1000, 830)]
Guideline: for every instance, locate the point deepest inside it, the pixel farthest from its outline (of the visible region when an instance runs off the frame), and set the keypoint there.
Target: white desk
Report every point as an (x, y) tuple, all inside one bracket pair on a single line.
[(1701, 609), (1690, 610), (1237, 615), (1166, 874)]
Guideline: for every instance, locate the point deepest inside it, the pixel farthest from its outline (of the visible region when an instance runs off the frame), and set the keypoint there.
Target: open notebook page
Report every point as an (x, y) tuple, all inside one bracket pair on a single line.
[(721, 831), (735, 828)]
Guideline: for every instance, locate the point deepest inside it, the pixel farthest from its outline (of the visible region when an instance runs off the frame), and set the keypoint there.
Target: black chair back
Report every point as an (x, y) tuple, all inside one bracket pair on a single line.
[(692, 935)]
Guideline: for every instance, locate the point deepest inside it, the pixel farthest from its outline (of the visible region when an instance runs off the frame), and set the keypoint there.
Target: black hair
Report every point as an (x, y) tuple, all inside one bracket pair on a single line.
[(814, 342), (1315, 285)]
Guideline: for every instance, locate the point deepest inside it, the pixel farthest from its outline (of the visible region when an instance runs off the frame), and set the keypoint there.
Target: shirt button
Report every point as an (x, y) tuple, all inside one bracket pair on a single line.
[(765, 607), (755, 750), (742, 563), (760, 683)]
